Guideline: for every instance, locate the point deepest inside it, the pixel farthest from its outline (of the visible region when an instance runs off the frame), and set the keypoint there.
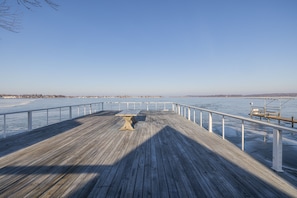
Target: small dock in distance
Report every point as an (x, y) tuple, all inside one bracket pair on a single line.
[(272, 115), (272, 112), (165, 156)]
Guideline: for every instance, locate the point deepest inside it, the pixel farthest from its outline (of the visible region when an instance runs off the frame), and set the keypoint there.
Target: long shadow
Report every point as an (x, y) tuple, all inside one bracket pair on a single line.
[(26, 139), (167, 164)]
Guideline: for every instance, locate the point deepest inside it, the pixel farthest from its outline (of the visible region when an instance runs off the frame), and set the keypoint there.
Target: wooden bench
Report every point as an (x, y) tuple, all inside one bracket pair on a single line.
[(129, 117)]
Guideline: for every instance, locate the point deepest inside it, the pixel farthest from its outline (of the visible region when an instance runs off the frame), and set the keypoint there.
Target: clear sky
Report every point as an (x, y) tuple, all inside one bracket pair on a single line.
[(152, 47)]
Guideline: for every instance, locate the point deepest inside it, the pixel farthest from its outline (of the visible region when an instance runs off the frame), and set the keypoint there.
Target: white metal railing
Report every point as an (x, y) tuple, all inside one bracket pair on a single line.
[(31, 119), (187, 111), (163, 106), (25, 119)]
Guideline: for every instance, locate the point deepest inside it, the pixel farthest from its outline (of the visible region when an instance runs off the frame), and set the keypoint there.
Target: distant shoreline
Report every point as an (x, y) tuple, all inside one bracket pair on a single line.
[(271, 95), (249, 95), (34, 96)]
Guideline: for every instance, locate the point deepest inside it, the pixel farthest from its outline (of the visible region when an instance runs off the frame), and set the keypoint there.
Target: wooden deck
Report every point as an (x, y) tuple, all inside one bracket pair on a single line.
[(165, 156)]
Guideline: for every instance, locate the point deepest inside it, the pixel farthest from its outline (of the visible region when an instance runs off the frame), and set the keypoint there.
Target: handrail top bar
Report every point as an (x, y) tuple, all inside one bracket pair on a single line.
[(241, 118), (24, 111), (139, 102)]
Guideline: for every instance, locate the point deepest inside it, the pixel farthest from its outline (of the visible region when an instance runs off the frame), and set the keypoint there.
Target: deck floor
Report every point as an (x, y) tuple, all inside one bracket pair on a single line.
[(165, 156)]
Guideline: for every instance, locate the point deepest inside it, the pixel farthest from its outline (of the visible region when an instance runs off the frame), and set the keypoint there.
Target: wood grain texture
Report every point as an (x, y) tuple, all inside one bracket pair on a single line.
[(165, 156)]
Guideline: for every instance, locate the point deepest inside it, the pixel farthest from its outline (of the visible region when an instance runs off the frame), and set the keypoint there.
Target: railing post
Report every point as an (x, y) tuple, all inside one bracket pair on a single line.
[(47, 117), (4, 126), (189, 113), (84, 110), (29, 120), (147, 106), (242, 135), (223, 127), (70, 112), (60, 114), (182, 111), (210, 122), (102, 106), (90, 109), (194, 116), (178, 111), (200, 118), (277, 151)]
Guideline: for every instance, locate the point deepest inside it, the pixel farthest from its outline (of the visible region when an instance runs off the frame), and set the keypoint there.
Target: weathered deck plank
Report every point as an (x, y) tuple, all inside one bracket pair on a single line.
[(165, 156)]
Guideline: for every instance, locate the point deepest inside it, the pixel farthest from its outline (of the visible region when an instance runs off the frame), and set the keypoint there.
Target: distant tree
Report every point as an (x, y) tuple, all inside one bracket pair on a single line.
[(9, 19)]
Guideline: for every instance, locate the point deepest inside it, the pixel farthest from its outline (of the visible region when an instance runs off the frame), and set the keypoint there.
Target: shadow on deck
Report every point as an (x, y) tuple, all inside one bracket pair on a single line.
[(162, 158), (23, 140)]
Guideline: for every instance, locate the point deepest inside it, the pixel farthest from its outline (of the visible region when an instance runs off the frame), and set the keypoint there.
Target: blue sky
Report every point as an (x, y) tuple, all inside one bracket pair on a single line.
[(152, 47)]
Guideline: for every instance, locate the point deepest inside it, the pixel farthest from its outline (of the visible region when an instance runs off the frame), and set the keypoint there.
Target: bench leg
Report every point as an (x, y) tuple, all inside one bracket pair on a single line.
[(128, 123)]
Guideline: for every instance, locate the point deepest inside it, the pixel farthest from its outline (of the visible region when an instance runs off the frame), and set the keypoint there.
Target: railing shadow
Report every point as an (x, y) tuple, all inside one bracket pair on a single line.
[(177, 165), (19, 141)]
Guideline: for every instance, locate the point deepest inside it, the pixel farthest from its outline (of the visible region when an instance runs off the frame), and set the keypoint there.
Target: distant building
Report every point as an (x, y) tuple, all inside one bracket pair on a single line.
[(9, 97)]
